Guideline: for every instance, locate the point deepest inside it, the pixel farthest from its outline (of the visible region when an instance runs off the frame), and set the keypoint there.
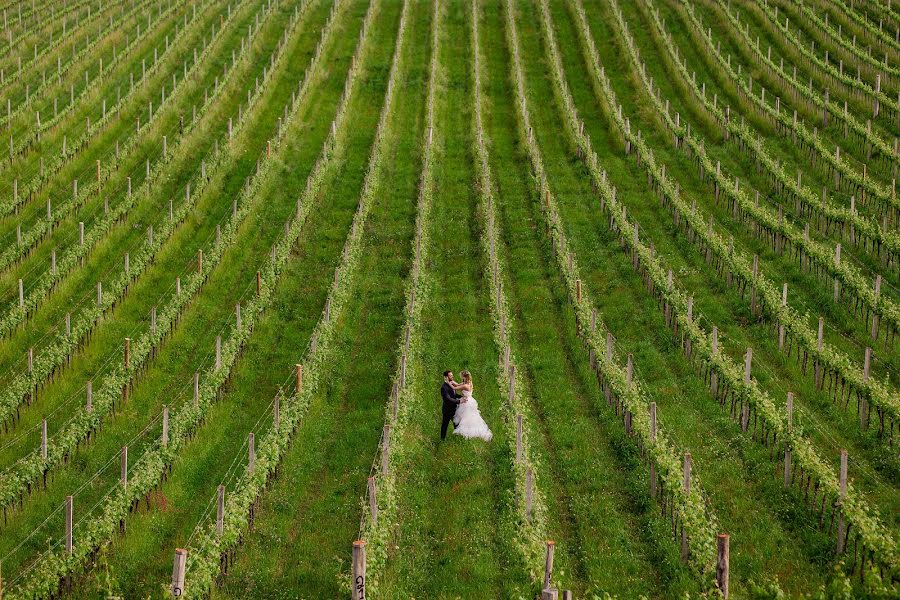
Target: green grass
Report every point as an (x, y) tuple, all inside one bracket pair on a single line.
[(603, 521), (167, 381), (829, 425), (452, 493), (637, 323), (311, 514), (130, 235), (453, 533)]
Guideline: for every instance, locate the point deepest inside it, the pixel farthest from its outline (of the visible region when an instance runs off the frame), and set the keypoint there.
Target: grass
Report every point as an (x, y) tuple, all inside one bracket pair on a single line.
[(168, 379), (452, 493), (456, 504), (829, 425), (604, 521)]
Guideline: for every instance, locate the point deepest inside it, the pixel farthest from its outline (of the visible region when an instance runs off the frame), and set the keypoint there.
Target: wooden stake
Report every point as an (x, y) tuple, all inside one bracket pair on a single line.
[(44, 439), (123, 464), (722, 556), (359, 571), (220, 511), (69, 521), (652, 440), (251, 453), (548, 563), (373, 501), (178, 572), (165, 427), (518, 438)]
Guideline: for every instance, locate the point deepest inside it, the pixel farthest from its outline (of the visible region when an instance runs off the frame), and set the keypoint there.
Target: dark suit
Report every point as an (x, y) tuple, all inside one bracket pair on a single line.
[(450, 402)]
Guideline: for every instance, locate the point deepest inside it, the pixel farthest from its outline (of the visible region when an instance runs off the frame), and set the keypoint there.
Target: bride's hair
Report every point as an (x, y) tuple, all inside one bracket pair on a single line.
[(466, 377)]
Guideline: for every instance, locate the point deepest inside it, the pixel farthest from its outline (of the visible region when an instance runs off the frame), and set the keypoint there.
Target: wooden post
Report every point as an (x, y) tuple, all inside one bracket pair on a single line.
[(123, 464), (548, 563), (373, 501), (358, 591), (512, 382), (529, 483), (44, 439), (276, 411), (841, 495), (722, 556), (298, 368), (863, 404), (518, 438), (875, 314), (403, 371), (165, 427), (99, 293), (200, 261), (196, 388), (652, 440), (385, 450), (178, 572), (69, 521), (220, 511), (687, 489), (578, 291), (21, 295), (819, 345), (251, 453), (258, 283)]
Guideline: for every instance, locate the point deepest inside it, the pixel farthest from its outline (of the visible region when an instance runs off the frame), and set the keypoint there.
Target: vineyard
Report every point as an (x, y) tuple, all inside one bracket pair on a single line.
[(241, 240)]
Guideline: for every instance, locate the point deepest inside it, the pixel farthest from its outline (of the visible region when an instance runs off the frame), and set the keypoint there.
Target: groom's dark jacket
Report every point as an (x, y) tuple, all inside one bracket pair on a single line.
[(450, 398)]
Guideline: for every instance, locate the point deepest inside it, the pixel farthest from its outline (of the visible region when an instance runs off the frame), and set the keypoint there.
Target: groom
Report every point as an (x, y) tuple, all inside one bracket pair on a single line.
[(450, 402)]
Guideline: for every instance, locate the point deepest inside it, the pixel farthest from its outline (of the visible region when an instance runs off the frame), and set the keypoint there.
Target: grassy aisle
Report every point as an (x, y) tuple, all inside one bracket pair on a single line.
[(767, 537), (597, 486), (311, 512), (168, 380), (831, 427), (450, 495)]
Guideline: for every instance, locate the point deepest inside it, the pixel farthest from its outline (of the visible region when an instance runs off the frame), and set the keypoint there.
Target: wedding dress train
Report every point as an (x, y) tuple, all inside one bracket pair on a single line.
[(468, 422)]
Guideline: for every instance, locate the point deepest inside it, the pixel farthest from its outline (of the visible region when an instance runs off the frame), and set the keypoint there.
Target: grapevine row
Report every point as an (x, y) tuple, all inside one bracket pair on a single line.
[(43, 578), (737, 266), (697, 522), (20, 477), (724, 376), (845, 173), (407, 379), (72, 258), (205, 555), (26, 242)]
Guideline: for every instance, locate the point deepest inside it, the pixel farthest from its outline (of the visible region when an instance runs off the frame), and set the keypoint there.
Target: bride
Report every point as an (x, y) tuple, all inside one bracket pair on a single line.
[(468, 422)]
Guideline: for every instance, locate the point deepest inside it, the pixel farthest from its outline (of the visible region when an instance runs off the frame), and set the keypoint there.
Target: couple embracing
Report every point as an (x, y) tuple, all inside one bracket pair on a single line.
[(462, 409)]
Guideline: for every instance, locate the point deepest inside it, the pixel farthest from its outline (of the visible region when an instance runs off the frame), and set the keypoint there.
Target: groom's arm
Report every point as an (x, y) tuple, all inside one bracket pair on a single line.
[(449, 395)]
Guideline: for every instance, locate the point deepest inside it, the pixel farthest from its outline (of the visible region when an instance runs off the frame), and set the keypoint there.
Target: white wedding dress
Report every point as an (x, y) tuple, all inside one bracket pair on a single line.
[(467, 420)]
